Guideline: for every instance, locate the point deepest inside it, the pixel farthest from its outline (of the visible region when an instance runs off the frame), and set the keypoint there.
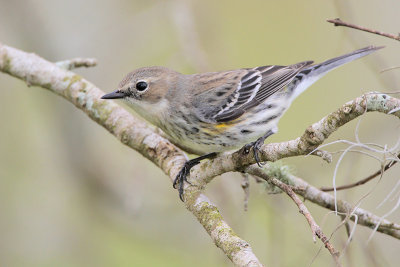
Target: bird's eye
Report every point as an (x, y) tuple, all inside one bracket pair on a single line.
[(141, 86)]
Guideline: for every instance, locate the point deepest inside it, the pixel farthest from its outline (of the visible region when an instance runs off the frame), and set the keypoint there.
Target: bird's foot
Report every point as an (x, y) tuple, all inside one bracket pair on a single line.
[(181, 178), (257, 146), (256, 150)]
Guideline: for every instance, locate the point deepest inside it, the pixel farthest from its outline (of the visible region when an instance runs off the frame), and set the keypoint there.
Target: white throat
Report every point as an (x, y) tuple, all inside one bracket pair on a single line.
[(153, 113)]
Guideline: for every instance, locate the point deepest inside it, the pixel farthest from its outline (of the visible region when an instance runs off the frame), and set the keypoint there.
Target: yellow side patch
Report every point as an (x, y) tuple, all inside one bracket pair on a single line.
[(221, 125)]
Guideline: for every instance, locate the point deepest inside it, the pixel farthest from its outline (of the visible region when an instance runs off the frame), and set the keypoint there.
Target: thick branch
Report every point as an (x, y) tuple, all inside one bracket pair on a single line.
[(134, 133), (314, 136), (77, 63)]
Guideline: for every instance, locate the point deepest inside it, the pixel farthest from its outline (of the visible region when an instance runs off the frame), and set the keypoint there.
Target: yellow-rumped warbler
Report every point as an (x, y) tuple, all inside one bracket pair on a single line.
[(220, 111)]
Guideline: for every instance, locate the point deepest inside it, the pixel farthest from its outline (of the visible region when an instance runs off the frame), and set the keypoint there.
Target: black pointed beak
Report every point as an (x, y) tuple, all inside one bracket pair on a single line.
[(114, 95)]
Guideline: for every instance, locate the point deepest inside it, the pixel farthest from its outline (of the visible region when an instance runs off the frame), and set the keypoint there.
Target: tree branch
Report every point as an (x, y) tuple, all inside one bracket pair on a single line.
[(314, 136), (339, 22), (326, 200), (365, 180), (133, 132), (315, 229), (77, 63)]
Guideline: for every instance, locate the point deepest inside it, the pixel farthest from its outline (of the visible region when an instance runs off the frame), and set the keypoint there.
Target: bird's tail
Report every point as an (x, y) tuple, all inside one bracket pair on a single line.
[(311, 74)]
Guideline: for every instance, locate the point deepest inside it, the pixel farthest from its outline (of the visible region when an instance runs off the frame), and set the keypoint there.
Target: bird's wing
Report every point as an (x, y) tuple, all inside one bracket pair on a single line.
[(229, 100)]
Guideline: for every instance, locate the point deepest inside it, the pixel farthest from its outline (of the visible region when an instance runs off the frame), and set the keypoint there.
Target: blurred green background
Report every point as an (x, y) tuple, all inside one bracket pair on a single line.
[(72, 195)]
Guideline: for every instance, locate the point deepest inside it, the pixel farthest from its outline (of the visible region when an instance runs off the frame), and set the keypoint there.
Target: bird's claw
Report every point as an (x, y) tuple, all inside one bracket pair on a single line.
[(256, 150), (181, 178)]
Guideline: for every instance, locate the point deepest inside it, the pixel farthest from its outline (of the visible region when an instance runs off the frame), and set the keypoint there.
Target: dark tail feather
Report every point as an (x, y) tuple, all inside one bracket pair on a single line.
[(338, 61), (311, 74)]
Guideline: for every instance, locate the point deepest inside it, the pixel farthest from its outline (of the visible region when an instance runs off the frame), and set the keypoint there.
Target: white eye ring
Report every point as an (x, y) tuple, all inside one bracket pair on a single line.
[(141, 86)]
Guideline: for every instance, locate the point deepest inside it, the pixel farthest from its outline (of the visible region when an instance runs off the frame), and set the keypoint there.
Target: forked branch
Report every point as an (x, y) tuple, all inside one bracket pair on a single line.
[(134, 133), (36, 71)]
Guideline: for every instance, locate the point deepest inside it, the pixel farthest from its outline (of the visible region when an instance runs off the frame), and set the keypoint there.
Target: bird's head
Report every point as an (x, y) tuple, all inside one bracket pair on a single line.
[(145, 85), (145, 90)]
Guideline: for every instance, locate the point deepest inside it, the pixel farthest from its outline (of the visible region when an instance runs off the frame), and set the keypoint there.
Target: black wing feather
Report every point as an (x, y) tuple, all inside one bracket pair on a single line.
[(254, 88)]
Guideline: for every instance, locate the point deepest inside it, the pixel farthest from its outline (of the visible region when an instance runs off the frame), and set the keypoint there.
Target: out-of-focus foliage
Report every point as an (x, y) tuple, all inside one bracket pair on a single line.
[(72, 195)]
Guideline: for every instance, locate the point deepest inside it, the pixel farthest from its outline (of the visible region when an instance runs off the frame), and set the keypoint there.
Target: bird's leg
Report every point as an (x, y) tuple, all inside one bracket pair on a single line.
[(257, 146), (184, 172)]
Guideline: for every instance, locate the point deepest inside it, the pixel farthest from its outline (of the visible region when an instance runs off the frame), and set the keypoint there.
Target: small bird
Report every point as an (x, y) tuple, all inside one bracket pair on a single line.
[(214, 112)]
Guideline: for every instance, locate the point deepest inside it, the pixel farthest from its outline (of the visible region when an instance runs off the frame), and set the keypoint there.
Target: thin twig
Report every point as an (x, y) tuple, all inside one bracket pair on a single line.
[(137, 135), (315, 229), (388, 69), (326, 200), (246, 190), (339, 22), (325, 155), (362, 181)]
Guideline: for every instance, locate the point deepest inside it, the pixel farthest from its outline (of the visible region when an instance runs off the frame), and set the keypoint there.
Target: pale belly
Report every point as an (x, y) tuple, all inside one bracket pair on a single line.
[(202, 138)]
